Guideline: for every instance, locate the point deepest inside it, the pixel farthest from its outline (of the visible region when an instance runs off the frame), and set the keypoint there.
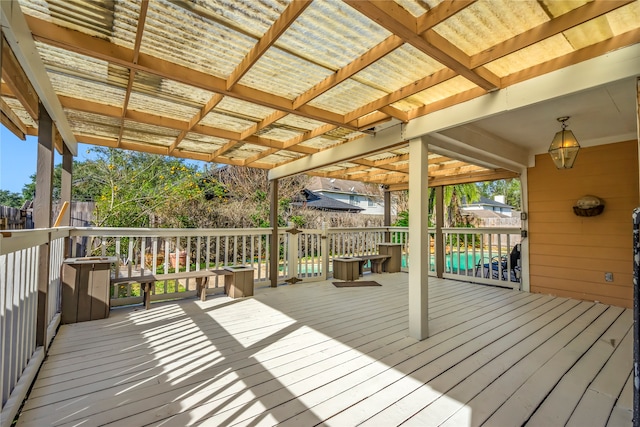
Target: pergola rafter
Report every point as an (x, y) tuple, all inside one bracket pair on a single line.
[(294, 80)]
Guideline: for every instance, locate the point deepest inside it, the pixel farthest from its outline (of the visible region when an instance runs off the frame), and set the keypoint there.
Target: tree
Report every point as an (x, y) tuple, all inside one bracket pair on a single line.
[(13, 200), (86, 186), (510, 188), (453, 197), (249, 195), (137, 188)]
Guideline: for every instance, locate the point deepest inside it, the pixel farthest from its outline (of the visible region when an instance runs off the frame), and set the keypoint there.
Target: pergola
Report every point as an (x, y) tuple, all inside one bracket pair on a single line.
[(364, 90)]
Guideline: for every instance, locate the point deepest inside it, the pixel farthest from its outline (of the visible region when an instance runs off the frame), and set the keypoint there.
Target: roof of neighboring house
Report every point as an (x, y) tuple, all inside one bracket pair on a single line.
[(312, 200), (317, 183), (484, 201)]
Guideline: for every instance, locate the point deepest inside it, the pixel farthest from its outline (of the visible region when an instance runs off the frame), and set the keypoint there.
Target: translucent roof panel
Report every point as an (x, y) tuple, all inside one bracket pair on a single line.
[(322, 142), (298, 122), (401, 67), (486, 24), (418, 7), (347, 96), (153, 94), (280, 157), (19, 111), (149, 134), (242, 109), (244, 151), (331, 34), (284, 74), (370, 49), (436, 93), (280, 133), (548, 49), (624, 19), (93, 124), (226, 122), (201, 143), (344, 133), (195, 35)]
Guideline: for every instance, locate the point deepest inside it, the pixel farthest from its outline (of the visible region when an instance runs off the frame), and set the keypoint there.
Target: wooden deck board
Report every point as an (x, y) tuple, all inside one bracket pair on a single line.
[(312, 353)]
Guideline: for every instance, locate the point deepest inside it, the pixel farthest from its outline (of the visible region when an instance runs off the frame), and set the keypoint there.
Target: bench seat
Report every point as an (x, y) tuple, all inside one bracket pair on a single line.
[(377, 262), (201, 277)]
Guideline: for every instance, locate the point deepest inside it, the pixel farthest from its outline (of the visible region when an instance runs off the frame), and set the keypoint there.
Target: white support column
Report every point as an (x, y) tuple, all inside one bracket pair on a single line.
[(387, 213), (439, 240), (324, 251), (418, 238), (274, 242)]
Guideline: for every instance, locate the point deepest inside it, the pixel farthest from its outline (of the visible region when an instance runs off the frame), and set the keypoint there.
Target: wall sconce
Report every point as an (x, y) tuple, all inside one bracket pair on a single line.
[(564, 147)]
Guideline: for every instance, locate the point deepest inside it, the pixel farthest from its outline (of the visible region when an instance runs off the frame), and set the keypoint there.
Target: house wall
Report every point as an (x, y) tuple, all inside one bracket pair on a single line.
[(361, 201), (569, 254)]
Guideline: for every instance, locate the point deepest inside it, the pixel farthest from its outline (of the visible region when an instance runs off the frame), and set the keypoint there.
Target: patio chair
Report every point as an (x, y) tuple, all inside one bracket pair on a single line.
[(493, 267)]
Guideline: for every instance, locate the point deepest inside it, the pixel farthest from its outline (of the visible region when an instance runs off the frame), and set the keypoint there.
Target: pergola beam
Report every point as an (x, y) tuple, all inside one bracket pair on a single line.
[(362, 147), (142, 17), (547, 29), (400, 22), (18, 35), (78, 42), (284, 21), (16, 81)]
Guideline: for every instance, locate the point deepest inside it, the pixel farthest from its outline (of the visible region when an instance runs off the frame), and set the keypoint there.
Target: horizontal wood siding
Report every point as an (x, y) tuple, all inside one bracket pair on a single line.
[(569, 255)]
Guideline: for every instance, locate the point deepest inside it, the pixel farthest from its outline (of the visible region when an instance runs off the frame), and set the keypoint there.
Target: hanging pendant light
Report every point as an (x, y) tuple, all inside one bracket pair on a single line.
[(564, 147)]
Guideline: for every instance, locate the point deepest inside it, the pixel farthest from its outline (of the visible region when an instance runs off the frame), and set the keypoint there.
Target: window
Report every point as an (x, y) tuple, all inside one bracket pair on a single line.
[(371, 203), (353, 200)]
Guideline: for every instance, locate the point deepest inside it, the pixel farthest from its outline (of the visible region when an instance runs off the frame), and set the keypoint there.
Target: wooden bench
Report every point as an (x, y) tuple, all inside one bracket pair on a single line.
[(377, 262), (146, 281)]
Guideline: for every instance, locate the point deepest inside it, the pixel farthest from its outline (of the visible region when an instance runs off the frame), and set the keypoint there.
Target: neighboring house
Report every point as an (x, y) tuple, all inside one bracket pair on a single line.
[(317, 201), (357, 194), (498, 206)]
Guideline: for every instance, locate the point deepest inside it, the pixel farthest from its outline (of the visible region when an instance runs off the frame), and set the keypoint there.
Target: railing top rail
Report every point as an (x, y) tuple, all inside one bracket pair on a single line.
[(484, 230), (17, 240), (166, 232), (355, 229)]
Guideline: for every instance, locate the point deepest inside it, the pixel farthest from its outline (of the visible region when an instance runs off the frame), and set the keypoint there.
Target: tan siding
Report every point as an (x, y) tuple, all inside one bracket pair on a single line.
[(570, 254)]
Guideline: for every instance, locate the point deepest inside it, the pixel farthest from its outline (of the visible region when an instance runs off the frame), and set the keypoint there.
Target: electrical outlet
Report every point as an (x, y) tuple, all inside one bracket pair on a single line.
[(608, 277)]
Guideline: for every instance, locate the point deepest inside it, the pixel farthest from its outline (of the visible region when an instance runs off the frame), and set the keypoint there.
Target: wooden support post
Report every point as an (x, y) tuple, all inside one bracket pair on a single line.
[(387, 213), (439, 243), (65, 194), (42, 217), (274, 246), (324, 251), (418, 238), (67, 177)]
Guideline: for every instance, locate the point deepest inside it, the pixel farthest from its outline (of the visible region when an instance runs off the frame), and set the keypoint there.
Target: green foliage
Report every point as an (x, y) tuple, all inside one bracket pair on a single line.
[(297, 220), (7, 198), (453, 198), (140, 187), (402, 220), (88, 181), (510, 188)]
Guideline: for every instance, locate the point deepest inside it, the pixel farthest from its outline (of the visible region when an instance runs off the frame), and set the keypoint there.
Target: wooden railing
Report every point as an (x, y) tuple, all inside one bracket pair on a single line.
[(481, 255), (302, 255), (141, 251), (22, 255)]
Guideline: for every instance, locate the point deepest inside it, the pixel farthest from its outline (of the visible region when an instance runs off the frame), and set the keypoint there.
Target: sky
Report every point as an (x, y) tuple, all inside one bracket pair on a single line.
[(18, 159)]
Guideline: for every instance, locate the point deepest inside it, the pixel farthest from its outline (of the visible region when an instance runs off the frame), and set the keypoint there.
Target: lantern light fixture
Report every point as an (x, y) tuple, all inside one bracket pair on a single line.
[(564, 147)]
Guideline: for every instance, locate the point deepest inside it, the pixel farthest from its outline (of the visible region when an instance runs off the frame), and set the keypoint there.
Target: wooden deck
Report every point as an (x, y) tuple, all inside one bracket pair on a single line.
[(312, 354)]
